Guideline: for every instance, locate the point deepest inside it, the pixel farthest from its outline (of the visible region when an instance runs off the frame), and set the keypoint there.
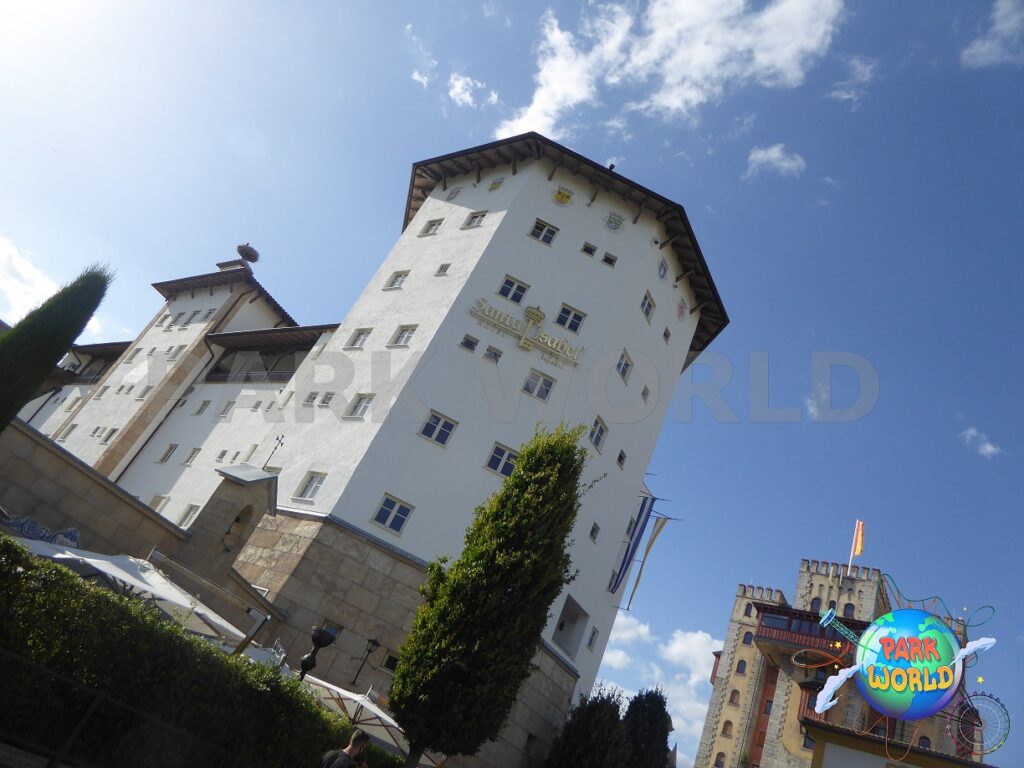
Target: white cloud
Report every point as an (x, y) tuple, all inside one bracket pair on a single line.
[(628, 630), (461, 87), (861, 72), (1003, 42), (426, 63), (693, 652), (23, 286), (978, 442), (616, 658), (489, 8), (683, 55), (618, 127), (820, 398), (492, 98), (774, 158)]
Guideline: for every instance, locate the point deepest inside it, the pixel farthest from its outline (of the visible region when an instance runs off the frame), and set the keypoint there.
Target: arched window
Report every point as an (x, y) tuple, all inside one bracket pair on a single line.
[(727, 728), (748, 609), (832, 604), (734, 697), (848, 611), (720, 760), (748, 638), (816, 605), (924, 742), (741, 668)]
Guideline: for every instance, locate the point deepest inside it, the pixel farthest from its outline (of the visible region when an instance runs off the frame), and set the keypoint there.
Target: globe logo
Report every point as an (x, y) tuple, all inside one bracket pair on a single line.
[(908, 667)]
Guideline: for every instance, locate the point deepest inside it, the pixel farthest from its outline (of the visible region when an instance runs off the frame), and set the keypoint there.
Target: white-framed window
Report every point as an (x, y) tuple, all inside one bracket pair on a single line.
[(475, 219), (431, 227), (645, 393), (442, 270), (191, 513), (621, 460), (235, 455), (359, 337), (570, 318), (403, 336), (624, 366), (588, 249), (102, 391), (662, 269), (176, 319), (128, 389), (158, 502), (492, 355), (209, 313), (310, 399), (191, 457), (173, 353), (360, 406), (502, 460), (397, 280), (221, 455), (145, 391), (191, 317), (666, 335), (256, 406), (252, 450), (608, 259), (168, 452), (438, 428), (598, 432), (310, 486), (647, 306), (611, 581), (67, 432), (133, 354), (393, 513), (630, 526), (202, 407), (163, 320), (151, 351), (469, 343), (95, 431), (325, 399), (73, 403), (538, 385), (227, 408), (543, 232), (107, 437), (512, 289), (592, 640), (119, 390), (595, 531)]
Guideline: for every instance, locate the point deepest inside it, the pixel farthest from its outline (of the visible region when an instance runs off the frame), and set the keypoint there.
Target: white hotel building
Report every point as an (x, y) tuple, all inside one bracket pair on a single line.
[(529, 284)]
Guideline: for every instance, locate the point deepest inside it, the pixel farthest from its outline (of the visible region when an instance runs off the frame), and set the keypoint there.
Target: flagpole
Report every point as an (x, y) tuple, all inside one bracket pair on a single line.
[(853, 545)]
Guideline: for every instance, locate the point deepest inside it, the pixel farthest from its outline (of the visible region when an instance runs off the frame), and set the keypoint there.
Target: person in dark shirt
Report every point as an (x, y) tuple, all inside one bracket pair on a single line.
[(349, 756)]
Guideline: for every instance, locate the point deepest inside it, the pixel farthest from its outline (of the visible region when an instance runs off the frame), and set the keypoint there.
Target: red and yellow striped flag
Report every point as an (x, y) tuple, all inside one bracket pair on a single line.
[(858, 539)]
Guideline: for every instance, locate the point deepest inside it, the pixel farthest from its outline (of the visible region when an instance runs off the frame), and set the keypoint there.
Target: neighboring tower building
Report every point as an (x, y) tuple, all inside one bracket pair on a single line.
[(760, 696), (529, 285)]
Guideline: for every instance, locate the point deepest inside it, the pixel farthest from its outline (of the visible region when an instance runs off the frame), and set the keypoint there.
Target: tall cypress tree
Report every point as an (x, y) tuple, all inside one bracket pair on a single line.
[(647, 724), (593, 736), (31, 349), (469, 651)]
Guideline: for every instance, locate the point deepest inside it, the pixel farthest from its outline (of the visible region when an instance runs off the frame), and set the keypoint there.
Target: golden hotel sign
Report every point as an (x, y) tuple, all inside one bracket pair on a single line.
[(528, 331)]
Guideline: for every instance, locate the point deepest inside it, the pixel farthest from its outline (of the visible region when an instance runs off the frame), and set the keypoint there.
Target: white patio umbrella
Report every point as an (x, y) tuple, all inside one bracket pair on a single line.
[(139, 578), (366, 714)]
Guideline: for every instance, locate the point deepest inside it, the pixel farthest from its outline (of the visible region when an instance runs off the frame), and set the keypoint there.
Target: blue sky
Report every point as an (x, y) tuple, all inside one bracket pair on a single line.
[(852, 171)]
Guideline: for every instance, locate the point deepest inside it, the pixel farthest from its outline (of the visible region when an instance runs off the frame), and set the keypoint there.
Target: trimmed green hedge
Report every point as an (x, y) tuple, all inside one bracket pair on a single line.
[(201, 706)]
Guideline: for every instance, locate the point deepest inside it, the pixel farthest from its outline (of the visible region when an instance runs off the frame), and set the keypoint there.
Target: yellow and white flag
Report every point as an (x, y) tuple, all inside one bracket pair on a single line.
[(858, 538)]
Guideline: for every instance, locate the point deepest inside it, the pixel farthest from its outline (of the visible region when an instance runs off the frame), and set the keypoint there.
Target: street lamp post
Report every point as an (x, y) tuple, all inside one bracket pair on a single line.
[(322, 636), (371, 645)]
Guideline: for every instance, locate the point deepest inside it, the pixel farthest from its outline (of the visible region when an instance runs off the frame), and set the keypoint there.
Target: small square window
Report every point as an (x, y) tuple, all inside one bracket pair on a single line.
[(133, 354), (538, 385), (191, 457), (598, 432), (647, 306), (393, 514), (311, 398), (492, 354), (624, 366), (666, 335), (106, 438), (168, 452), (145, 391), (611, 581), (257, 405), (101, 393), (310, 486), (609, 260), (569, 318), (176, 319), (202, 407), (438, 428), (475, 219), (543, 232), (595, 531), (360, 406), (621, 460), (442, 270), (173, 354), (469, 343), (221, 455), (397, 280), (502, 460), (645, 393), (191, 317), (209, 313), (592, 641), (588, 249), (403, 336), (431, 227), (809, 741), (227, 408), (325, 400), (64, 435), (158, 502), (162, 320), (513, 290), (662, 269), (359, 337), (191, 512)]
